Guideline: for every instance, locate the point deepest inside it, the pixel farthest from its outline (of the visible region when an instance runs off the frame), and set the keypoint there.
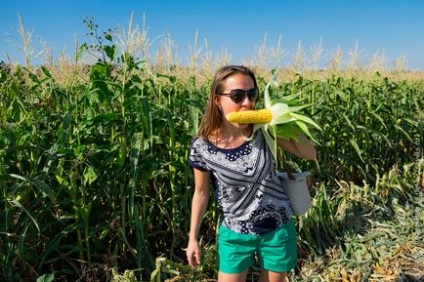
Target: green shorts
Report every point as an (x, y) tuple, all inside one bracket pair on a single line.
[(275, 251)]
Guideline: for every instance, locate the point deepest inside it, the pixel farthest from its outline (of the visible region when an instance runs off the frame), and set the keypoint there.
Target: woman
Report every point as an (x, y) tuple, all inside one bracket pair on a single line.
[(256, 214)]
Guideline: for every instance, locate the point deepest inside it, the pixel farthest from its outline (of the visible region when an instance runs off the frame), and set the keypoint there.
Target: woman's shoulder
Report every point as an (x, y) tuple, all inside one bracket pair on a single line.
[(199, 144)]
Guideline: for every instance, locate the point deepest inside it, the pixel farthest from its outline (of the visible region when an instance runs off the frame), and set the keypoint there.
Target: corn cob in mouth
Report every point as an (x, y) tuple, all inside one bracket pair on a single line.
[(250, 116)]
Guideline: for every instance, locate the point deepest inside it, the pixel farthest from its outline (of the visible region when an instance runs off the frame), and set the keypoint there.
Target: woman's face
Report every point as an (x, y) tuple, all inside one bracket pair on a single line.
[(227, 105)]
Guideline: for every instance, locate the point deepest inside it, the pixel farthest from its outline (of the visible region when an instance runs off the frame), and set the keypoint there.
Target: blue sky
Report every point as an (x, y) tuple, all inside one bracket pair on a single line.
[(391, 27)]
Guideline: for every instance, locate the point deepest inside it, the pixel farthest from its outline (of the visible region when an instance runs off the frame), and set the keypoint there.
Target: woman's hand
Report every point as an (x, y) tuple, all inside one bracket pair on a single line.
[(193, 253)]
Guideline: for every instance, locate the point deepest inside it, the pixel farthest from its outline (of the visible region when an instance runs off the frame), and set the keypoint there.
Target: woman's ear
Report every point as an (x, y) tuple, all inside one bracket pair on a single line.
[(217, 102)]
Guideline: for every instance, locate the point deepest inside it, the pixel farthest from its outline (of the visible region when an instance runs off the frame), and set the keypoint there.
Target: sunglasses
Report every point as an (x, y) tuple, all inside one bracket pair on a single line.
[(238, 95)]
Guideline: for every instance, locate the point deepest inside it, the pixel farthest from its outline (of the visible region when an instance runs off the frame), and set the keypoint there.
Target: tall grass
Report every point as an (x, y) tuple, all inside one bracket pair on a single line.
[(94, 176)]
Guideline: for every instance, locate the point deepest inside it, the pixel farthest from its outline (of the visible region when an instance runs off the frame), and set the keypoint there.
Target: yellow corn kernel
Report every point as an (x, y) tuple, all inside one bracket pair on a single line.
[(250, 116)]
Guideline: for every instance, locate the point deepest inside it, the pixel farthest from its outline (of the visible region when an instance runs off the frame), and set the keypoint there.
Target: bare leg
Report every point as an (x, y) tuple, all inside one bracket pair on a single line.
[(238, 277), (270, 276)]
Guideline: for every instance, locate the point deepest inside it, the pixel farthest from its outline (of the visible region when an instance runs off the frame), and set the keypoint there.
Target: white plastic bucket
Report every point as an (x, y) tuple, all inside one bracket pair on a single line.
[(297, 191)]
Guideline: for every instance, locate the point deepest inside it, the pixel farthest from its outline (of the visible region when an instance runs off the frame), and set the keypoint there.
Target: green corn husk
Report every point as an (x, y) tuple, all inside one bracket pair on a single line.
[(287, 121)]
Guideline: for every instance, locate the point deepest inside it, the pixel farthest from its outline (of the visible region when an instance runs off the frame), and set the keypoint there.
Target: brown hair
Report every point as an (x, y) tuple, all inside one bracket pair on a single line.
[(212, 119)]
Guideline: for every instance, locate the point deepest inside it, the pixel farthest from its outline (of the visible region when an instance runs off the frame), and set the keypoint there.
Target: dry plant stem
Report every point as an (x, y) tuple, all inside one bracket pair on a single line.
[(26, 40)]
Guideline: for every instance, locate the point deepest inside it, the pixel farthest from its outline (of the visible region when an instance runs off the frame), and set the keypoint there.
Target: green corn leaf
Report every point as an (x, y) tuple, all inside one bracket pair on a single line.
[(22, 208), (288, 131), (37, 183), (289, 98), (299, 108), (304, 128), (357, 149), (283, 119), (305, 119), (90, 175)]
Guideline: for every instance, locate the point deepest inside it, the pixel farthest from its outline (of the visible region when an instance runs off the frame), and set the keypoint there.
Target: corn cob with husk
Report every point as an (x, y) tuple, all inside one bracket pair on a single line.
[(278, 119)]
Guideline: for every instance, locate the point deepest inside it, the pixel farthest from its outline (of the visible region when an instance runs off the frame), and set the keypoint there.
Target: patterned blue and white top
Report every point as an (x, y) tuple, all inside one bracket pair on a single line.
[(246, 186)]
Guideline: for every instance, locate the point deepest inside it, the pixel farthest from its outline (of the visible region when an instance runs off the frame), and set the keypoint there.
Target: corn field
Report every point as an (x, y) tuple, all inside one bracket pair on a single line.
[(95, 184)]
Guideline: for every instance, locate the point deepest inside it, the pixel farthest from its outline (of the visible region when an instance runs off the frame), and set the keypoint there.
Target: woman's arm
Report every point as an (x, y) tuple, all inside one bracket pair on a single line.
[(198, 208), (303, 149)]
